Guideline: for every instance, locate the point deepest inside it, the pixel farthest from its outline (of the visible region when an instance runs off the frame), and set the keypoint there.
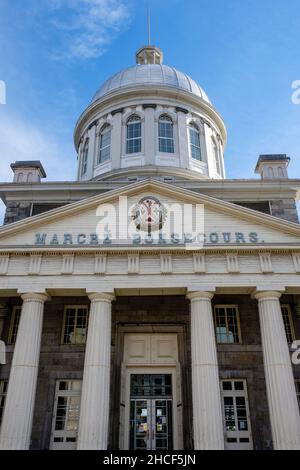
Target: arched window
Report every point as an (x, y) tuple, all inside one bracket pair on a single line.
[(165, 134), (29, 177), (134, 134), (195, 141), (280, 172), (84, 158), (216, 157), (105, 140), (20, 177)]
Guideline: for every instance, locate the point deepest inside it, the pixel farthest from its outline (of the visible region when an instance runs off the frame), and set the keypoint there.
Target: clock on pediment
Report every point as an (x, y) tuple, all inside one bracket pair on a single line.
[(149, 214)]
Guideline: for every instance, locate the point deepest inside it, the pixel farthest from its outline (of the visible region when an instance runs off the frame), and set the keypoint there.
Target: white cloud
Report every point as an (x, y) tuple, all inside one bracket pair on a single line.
[(90, 26)]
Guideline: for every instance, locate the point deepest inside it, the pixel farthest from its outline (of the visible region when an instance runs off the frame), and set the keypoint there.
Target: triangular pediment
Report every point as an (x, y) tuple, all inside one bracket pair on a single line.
[(98, 221)]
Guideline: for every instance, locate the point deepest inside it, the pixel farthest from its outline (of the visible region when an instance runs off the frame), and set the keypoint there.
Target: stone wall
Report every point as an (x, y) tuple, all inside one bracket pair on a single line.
[(285, 209), (154, 314), (16, 211)]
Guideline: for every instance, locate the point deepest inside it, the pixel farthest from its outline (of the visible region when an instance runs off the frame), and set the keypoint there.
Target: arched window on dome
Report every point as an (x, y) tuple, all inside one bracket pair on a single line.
[(216, 153), (20, 178), (165, 134), (134, 134), (195, 147), (84, 157), (105, 141)]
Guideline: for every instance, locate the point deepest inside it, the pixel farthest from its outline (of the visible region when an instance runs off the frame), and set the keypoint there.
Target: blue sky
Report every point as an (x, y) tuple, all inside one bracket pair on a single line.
[(54, 54)]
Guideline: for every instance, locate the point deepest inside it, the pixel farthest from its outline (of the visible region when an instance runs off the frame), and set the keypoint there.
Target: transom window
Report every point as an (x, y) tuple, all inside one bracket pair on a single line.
[(297, 383), (216, 156), (288, 323), (165, 134), (84, 157), (66, 414), (194, 141), (14, 324), (3, 392), (134, 134), (227, 324), (105, 141), (75, 324), (150, 385)]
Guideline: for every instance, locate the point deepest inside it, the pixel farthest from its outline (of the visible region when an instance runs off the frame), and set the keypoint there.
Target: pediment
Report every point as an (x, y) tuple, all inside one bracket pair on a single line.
[(119, 218)]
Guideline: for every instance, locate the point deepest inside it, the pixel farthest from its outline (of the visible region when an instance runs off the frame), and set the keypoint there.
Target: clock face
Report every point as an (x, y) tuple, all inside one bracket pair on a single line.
[(149, 214)]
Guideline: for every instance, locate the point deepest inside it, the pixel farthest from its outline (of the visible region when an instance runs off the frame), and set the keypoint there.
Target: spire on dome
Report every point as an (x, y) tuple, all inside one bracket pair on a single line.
[(149, 55)]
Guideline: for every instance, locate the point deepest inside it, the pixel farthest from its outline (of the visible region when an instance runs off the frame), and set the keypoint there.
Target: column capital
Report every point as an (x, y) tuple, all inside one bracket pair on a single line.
[(101, 297), (266, 295), (35, 297), (199, 295)]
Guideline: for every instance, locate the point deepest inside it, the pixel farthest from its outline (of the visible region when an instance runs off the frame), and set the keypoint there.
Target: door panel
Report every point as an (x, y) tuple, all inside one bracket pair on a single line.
[(151, 420)]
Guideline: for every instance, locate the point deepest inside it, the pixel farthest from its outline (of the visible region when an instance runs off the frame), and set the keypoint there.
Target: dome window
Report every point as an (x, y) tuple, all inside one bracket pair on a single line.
[(105, 141), (165, 134), (134, 134), (84, 158), (195, 147)]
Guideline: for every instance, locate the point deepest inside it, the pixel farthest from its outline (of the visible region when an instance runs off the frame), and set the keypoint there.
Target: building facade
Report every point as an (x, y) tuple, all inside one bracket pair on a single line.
[(153, 303)]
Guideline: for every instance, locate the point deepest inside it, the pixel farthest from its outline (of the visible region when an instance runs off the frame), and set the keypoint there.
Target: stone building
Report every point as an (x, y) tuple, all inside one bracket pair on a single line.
[(152, 303)]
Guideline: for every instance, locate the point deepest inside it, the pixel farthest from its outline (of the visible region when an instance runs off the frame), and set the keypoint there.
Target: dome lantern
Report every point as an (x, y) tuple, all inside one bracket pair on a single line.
[(149, 55)]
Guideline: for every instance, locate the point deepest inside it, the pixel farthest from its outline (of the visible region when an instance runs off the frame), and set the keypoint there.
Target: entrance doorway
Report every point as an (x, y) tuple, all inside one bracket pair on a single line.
[(151, 412)]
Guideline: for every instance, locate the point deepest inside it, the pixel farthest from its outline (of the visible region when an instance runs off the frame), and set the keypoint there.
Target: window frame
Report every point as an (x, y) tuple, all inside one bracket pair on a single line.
[(168, 120), (237, 433), (64, 434), (76, 307), (225, 306), (16, 311), (291, 323), (104, 130), (3, 394), (297, 386), (192, 127), (131, 122)]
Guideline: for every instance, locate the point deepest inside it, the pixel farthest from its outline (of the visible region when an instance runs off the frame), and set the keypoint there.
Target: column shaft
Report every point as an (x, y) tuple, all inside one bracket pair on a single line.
[(93, 422), (207, 410), (282, 399), (19, 407)]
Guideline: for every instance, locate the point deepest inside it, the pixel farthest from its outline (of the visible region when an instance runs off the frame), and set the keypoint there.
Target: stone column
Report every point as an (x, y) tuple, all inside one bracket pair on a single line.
[(93, 421), (207, 409), (282, 399), (150, 137), (183, 146), (116, 141), (18, 412)]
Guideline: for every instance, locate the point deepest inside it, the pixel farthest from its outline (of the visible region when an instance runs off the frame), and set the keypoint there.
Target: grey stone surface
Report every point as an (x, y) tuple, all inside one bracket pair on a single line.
[(16, 211), (154, 314), (285, 209)]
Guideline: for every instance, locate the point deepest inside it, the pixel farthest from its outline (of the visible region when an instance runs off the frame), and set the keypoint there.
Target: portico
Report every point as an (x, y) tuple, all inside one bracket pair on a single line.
[(96, 429)]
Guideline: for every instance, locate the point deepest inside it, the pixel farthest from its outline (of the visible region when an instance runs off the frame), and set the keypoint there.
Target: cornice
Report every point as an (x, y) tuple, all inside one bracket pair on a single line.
[(154, 250)]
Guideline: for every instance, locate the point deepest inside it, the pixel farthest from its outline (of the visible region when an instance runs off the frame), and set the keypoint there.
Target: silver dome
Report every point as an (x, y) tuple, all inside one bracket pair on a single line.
[(150, 74)]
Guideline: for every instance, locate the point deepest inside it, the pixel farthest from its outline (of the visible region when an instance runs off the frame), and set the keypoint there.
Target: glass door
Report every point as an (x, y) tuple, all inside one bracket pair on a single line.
[(151, 424), (236, 415), (66, 415)]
